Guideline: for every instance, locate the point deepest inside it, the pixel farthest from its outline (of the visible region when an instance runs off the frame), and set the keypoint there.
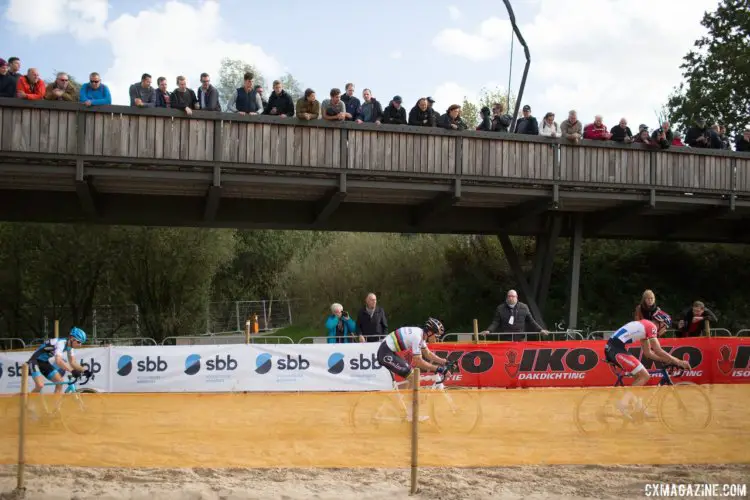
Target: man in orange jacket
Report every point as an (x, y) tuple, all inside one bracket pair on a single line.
[(31, 87)]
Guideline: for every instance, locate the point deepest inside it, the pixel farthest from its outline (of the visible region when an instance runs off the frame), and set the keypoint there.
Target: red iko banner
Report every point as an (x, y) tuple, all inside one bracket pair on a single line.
[(714, 360)]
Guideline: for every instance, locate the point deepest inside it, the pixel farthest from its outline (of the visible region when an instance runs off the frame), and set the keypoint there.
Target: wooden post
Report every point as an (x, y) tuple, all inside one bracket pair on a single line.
[(57, 328), (247, 331), (415, 432), (476, 331), (21, 480), (707, 328)]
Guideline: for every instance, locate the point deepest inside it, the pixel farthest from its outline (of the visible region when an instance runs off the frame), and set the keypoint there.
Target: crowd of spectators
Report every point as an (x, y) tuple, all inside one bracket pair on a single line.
[(250, 99)]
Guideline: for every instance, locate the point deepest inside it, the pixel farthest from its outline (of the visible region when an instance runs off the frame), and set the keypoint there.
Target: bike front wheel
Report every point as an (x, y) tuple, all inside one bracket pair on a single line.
[(455, 411), (82, 412), (685, 407)]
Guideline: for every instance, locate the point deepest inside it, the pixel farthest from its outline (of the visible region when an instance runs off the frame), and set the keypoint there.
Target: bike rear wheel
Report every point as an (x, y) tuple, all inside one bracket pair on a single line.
[(82, 412), (685, 407), (376, 412), (596, 413)]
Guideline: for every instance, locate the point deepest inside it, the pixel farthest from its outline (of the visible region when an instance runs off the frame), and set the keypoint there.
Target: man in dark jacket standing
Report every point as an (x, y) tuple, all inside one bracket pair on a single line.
[(280, 103), (527, 125), (208, 96), (371, 320), (394, 113), (513, 316)]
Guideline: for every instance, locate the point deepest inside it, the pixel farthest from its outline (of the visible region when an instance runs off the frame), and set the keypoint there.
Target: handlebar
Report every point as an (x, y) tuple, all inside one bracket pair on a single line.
[(449, 368), (75, 378)]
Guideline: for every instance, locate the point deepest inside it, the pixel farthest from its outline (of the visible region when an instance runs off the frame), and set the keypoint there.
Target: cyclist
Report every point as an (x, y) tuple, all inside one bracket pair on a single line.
[(647, 333), (49, 360)]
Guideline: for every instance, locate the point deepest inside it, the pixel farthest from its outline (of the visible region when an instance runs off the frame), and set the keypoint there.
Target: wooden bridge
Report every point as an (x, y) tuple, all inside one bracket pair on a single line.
[(113, 164)]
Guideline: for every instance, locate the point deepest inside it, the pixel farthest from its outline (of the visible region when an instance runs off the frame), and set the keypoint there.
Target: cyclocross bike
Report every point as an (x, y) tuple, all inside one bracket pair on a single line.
[(79, 409), (450, 410), (680, 406)]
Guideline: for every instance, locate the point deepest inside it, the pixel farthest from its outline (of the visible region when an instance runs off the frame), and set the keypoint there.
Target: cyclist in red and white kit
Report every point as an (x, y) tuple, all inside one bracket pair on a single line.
[(647, 333)]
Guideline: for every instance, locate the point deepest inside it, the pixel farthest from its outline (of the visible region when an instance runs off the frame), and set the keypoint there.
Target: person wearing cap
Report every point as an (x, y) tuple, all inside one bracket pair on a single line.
[(528, 125), (435, 113), (7, 82), (334, 109), (421, 115), (394, 113)]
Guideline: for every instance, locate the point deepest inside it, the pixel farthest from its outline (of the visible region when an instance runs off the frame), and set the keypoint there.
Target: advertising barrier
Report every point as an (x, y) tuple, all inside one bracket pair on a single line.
[(714, 360), (354, 367), (221, 368)]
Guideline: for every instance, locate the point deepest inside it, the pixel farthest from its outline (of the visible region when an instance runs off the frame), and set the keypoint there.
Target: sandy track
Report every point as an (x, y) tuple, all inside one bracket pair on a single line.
[(530, 482)]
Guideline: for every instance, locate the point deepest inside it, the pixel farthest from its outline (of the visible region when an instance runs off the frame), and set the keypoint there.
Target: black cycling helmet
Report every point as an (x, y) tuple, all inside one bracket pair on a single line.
[(435, 326)]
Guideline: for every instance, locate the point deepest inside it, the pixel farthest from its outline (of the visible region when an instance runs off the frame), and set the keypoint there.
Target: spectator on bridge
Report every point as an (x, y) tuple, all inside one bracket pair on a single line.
[(720, 132), (435, 113), (184, 98), (7, 82), (14, 68), (647, 306), (549, 126), (308, 108), (452, 119), (333, 109), (261, 93), (208, 96), (61, 89), (371, 321), (621, 132), (246, 100), (31, 87), (95, 93), (701, 136), (644, 138), (280, 103), (663, 135), (394, 113), (527, 125), (163, 97), (421, 114), (742, 143), (351, 102), (486, 124), (371, 111), (677, 140), (501, 121), (597, 131), (693, 320), (142, 94), (513, 316), (571, 129), (341, 328)]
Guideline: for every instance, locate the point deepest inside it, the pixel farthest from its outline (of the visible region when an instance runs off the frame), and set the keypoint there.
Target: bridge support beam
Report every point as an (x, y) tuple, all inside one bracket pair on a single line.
[(86, 192), (433, 208), (213, 197), (576, 248), (547, 260), (523, 285), (328, 205)]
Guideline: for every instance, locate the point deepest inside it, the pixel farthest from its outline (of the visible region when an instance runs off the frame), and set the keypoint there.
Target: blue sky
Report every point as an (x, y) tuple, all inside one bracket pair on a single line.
[(611, 57)]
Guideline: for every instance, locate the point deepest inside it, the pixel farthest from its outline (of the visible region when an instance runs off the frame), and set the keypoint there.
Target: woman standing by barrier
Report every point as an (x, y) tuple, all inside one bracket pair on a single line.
[(341, 328), (647, 308)]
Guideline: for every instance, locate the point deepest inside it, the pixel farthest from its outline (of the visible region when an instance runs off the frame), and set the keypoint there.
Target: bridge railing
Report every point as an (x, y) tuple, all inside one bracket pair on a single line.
[(117, 134)]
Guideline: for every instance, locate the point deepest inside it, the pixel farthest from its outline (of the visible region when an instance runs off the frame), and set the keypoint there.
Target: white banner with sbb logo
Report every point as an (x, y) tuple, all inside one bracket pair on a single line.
[(220, 368), (95, 359)]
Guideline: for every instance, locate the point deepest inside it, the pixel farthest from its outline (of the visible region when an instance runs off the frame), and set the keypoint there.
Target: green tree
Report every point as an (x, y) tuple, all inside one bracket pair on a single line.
[(716, 73), (470, 114), (168, 273)]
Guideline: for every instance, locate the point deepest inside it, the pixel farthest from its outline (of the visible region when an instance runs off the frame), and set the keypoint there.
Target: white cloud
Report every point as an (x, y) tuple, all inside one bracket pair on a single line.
[(600, 56), (177, 38), (396, 54), (454, 12), (448, 93), (490, 40), (197, 30), (83, 18)]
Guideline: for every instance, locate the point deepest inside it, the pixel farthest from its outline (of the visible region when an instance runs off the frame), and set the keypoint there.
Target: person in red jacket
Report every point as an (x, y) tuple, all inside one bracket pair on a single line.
[(31, 87), (677, 141), (597, 131)]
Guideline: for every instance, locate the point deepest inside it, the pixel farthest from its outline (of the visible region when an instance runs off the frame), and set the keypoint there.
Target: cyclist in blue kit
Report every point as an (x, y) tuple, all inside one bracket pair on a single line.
[(54, 358)]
